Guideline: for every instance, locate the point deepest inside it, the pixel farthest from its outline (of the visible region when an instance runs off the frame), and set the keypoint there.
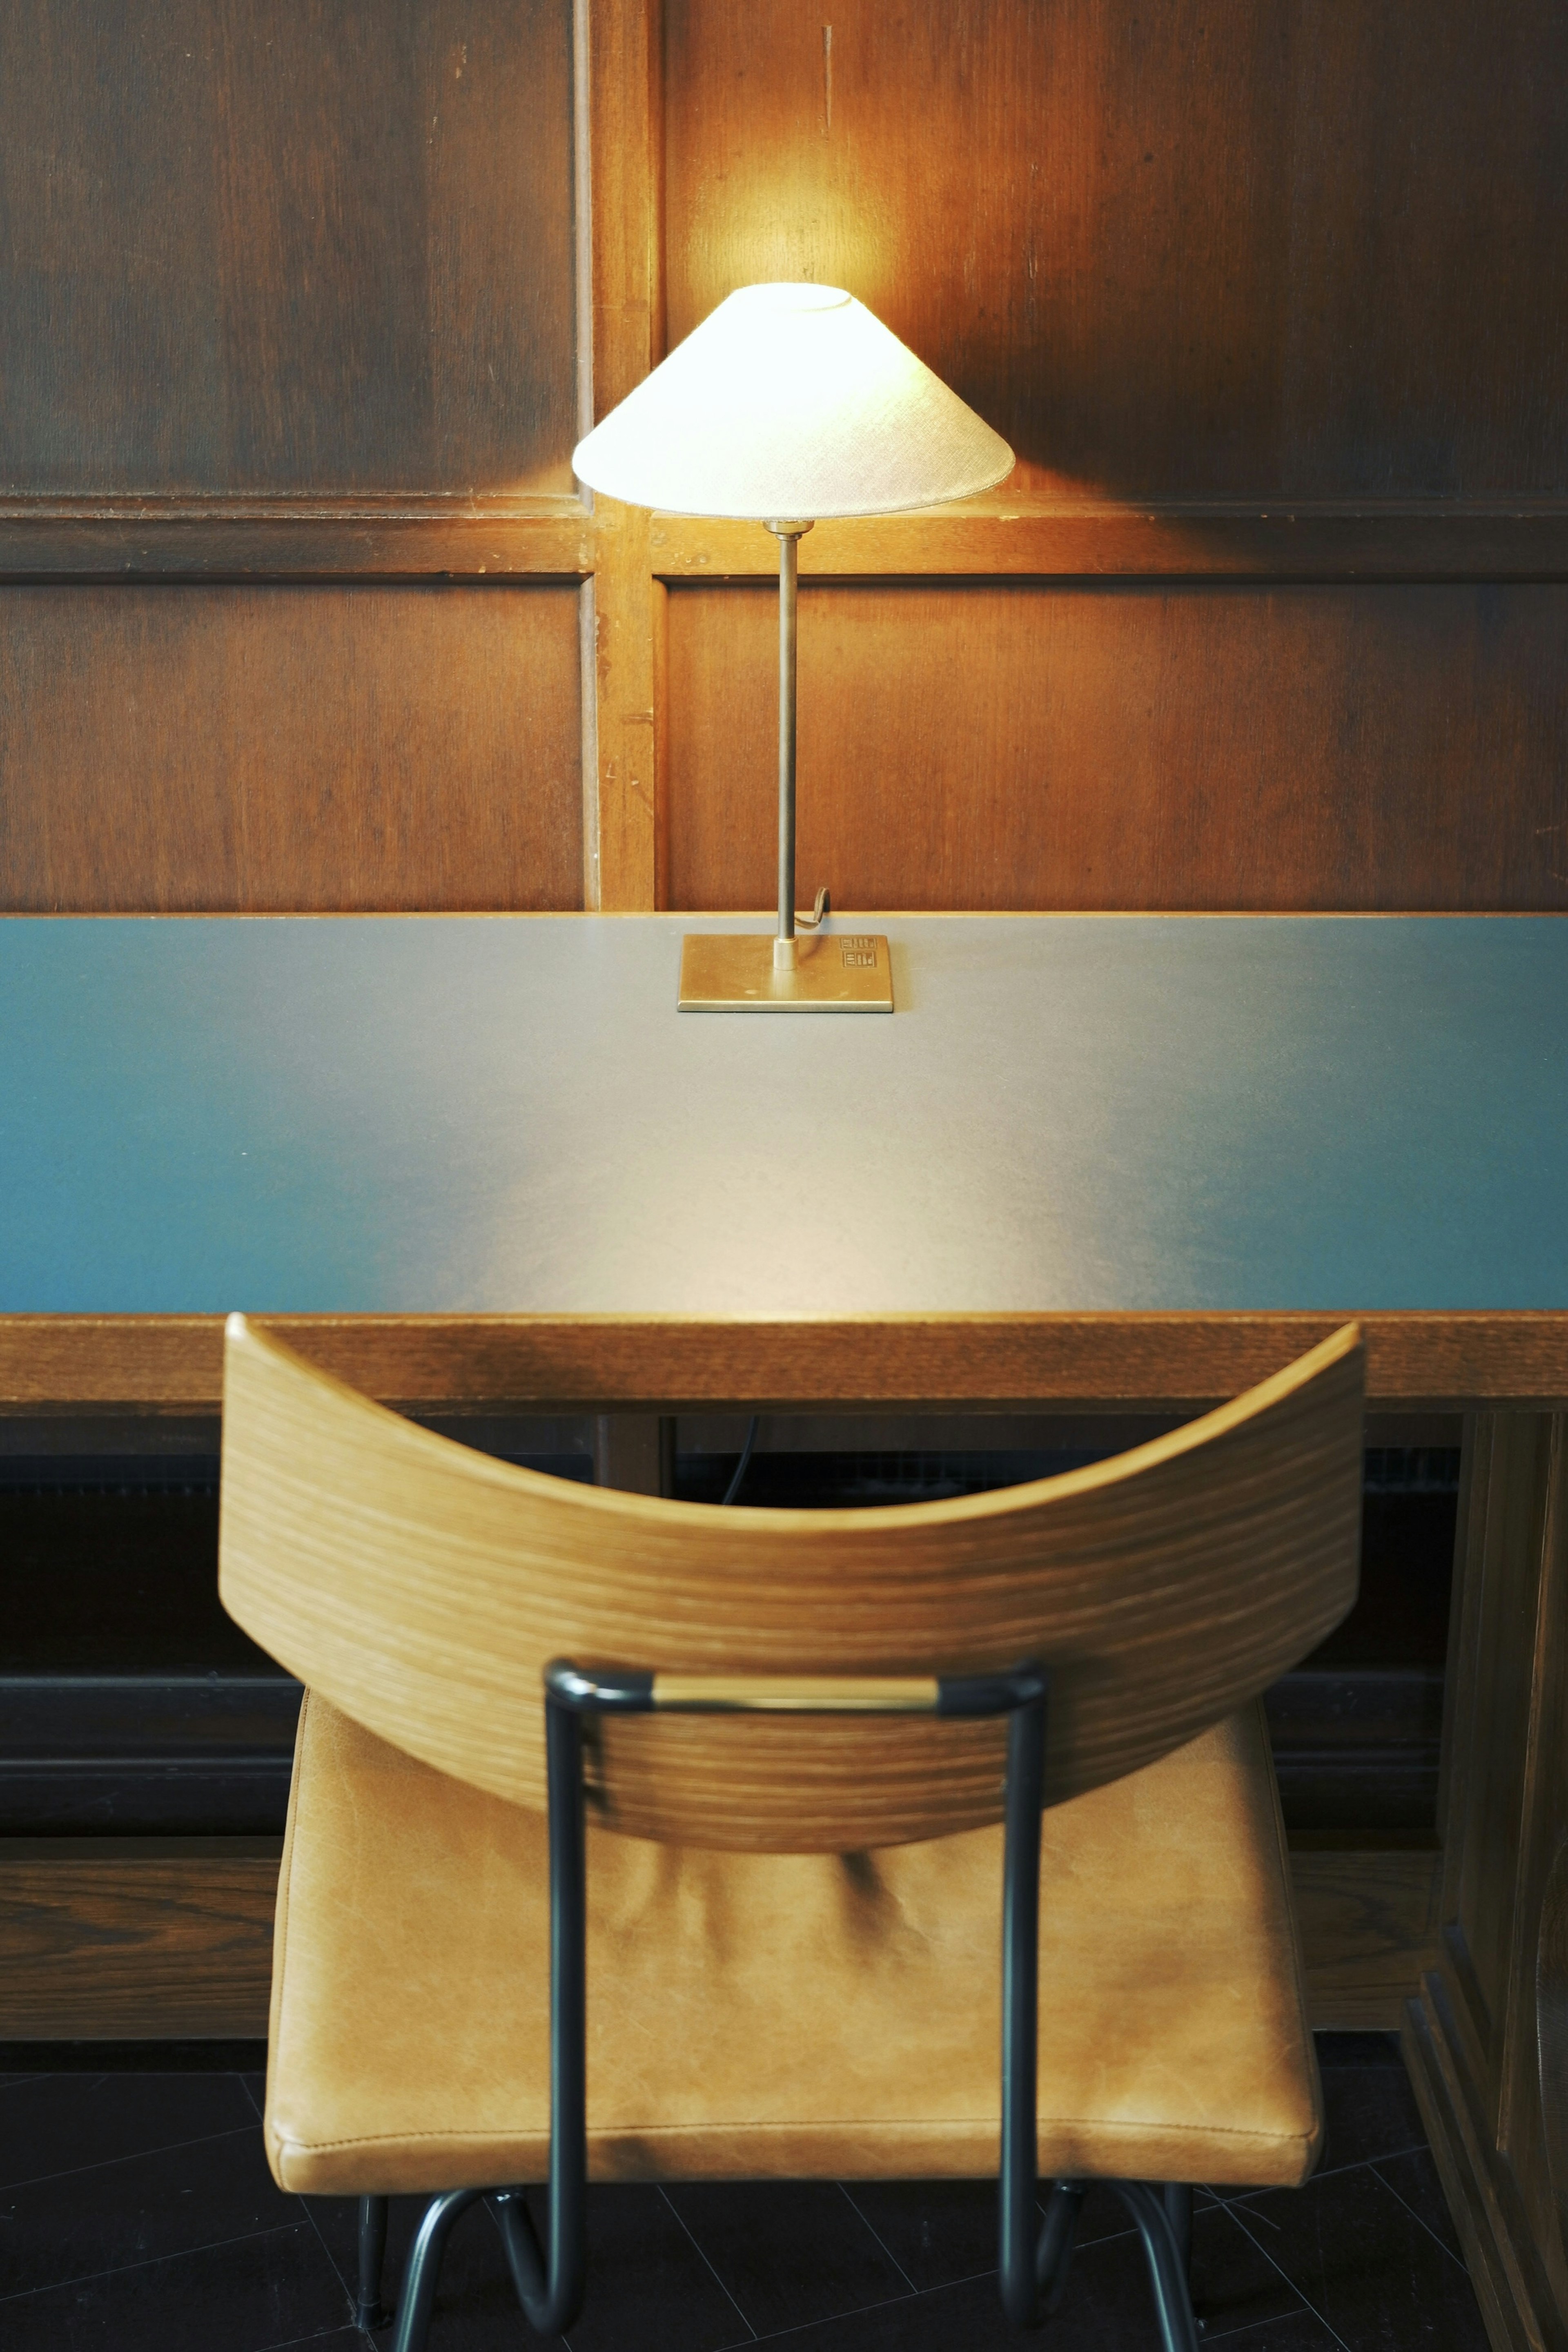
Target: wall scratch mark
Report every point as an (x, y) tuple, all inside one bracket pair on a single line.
[(827, 78)]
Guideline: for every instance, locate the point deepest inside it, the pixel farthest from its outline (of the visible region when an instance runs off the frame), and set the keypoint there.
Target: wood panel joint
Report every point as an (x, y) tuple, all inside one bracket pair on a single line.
[(1155, 542)]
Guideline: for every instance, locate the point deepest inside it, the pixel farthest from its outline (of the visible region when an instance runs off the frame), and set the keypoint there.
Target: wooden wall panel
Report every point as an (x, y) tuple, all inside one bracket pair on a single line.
[(1209, 250), (1368, 1929), (326, 247), (1024, 745), (1500, 1565), (1470, 2038), (174, 749)]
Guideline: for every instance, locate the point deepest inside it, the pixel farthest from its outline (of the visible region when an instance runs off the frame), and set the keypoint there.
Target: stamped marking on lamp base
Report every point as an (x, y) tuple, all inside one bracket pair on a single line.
[(845, 973)]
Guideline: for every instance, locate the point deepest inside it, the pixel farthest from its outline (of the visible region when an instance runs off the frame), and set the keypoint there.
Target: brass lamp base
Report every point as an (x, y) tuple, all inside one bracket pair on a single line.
[(847, 971)]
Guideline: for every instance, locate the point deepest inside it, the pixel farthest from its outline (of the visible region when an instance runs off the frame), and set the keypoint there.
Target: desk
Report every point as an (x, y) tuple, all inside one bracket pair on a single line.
[(482, 1165), (1180, 1147)]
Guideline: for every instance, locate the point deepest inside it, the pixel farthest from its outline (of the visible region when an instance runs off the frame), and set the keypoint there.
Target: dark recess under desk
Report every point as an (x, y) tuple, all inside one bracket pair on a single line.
[(130, 1704)]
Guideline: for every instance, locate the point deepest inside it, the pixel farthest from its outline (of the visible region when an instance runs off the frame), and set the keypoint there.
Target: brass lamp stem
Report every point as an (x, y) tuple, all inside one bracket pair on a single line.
[(789, 535)]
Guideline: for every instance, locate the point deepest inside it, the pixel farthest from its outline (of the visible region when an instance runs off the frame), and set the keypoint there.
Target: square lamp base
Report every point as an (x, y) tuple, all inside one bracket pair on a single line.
[(844, 971)]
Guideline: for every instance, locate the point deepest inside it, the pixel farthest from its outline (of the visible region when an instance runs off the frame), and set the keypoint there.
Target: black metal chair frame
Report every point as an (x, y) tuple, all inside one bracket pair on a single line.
[(1034, 2255)]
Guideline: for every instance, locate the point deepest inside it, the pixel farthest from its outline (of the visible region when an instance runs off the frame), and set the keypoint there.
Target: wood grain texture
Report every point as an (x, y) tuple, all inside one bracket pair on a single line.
[(1524, 2087), (1551, 2033), (413, 535), (1024, 746), (1194, 252), (625, 52), (1368, 1923), (1514, 2308), (1176, 261), (253, 749), (1471, 2034), (112, 1939), (620, 783), (424, 1588), (408, 537), (172, 1364), (330, 251), (1499, 1559)]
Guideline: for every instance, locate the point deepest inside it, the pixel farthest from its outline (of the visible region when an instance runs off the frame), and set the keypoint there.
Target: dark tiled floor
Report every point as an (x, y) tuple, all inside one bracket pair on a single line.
[(136, 2215)]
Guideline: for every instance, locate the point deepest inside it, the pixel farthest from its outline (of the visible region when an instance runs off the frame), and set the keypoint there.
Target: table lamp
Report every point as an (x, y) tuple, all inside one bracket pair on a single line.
[(790, 403)]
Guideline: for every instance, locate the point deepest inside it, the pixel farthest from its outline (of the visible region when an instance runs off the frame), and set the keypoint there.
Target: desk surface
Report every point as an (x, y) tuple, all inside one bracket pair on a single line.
[(1066, 1115)]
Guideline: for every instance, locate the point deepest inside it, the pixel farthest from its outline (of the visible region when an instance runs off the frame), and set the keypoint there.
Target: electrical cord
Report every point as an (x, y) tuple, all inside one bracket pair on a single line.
[(733, 1489)]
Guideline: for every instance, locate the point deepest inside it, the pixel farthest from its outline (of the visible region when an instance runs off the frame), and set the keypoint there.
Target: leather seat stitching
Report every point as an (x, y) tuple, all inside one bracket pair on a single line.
[(859, 2123)]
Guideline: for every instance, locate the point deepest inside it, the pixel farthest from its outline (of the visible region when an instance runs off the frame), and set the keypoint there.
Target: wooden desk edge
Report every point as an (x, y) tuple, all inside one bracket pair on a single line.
[(154, 1364)]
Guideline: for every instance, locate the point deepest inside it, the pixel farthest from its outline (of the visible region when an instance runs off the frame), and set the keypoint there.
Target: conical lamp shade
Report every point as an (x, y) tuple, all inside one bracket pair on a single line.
[(791, 402)]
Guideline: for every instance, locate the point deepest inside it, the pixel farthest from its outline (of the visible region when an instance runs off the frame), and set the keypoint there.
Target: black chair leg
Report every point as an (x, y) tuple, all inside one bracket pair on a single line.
[(1178, 2213), (418, 2298), (370, 2311), (1168, 2265), (1057, 2236)]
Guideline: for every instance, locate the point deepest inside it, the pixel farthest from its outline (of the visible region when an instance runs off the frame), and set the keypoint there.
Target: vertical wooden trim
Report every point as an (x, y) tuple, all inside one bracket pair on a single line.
[(1515, 2318), (623, 41), (658, 315), (1468, 2036), (622, 594), (582, 207), (1464, 1603), (661, 674), (588, 689), (625, 44), (1543, 1811), (630, 1451), (582, 193)]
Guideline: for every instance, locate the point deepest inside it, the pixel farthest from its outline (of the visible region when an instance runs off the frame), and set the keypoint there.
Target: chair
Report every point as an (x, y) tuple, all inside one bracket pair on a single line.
[(869, 1796)]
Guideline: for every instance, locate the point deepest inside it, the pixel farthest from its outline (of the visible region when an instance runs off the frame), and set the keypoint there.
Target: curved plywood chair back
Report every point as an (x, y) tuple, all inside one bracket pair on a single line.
[(422, 1588)]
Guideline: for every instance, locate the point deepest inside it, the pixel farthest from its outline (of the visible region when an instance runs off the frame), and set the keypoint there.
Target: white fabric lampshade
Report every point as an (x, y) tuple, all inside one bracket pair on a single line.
[(792, 403)]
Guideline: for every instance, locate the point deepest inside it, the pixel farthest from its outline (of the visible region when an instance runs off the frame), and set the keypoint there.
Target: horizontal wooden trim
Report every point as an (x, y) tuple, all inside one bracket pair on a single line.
[(120, 1939), (416, 537), (124, 1938), (1154, 541), (584, 1363), (347, 538)]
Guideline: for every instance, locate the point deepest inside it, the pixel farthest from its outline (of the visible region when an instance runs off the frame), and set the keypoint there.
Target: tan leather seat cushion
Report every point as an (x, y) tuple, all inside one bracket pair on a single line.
[(784, 2015)]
